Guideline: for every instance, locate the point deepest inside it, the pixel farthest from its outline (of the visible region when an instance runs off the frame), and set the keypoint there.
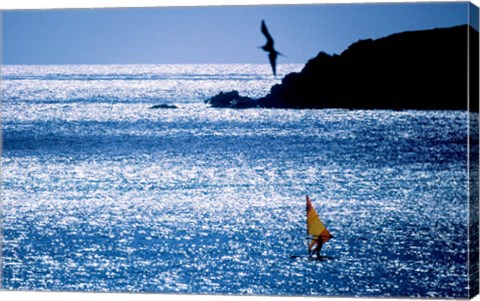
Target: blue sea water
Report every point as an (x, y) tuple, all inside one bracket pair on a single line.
[(101, 193)]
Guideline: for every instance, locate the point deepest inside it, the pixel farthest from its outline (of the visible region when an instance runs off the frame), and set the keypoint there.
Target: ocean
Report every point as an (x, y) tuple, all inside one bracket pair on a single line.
[(102, 193)]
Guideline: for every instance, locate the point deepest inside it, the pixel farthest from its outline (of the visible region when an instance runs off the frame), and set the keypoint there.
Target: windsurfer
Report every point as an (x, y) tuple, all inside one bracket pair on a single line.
[(315, 247), (316, 230)]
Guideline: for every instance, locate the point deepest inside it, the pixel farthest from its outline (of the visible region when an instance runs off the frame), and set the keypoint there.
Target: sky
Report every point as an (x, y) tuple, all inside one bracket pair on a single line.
[(213, 34)]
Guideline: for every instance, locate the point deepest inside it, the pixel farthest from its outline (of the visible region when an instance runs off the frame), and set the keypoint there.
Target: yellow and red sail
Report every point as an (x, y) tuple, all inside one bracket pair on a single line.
[(315, 227)]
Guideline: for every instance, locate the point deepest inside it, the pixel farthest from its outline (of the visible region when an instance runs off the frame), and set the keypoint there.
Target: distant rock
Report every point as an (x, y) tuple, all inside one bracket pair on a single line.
[(164, 106), (411, 70)]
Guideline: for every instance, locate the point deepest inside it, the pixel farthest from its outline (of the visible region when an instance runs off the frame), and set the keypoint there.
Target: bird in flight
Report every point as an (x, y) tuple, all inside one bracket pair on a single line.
[(272, 53)]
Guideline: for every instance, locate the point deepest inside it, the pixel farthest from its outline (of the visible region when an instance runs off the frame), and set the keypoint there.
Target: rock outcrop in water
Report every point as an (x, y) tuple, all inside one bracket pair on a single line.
[(232, 99), (164, 106), (411, 70)]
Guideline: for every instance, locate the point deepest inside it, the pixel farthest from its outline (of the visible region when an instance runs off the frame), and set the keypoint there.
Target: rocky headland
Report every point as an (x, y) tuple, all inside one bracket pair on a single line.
[(426, 70)]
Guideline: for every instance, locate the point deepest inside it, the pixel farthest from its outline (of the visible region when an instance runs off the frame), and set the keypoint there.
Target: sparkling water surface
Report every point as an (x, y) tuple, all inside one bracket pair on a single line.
[(102, 193)]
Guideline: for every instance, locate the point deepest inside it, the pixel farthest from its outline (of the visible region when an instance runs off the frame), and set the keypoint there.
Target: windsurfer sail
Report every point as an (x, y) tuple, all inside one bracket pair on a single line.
[(316, 230)]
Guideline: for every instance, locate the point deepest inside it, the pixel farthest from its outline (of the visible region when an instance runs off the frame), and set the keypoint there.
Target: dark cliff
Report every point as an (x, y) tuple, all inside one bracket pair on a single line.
[(425, 69)]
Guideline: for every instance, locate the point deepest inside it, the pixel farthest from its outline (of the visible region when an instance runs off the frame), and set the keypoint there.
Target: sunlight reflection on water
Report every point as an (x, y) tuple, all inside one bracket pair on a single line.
[(113, 196)]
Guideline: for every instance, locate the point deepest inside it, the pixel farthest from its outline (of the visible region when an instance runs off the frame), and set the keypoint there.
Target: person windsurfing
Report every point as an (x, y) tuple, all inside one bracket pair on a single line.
[(315, 247), (316, 230)]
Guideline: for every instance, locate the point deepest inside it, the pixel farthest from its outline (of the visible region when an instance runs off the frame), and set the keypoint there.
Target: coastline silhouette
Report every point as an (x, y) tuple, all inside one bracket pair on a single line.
[(423, 70)]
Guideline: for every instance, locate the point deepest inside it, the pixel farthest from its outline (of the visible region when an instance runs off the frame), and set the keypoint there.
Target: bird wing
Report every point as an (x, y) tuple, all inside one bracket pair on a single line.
[(272, 56), (266, 34)]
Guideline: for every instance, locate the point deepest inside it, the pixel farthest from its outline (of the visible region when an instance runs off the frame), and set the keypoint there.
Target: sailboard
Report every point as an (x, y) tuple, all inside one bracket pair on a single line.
[(316, 230)]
